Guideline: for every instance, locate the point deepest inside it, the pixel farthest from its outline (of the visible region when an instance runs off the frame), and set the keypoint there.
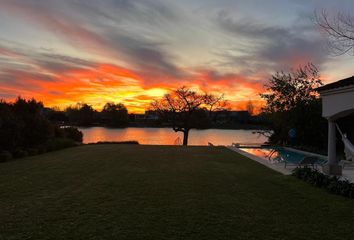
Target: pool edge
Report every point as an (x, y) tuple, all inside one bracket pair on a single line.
[(262, 161)]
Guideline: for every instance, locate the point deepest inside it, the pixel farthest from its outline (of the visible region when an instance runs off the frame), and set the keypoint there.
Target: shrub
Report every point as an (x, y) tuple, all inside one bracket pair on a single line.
[(73, 134), (20, 153), (59, 143), (25, 130), (5, 156), (23, 125), (332, 184)]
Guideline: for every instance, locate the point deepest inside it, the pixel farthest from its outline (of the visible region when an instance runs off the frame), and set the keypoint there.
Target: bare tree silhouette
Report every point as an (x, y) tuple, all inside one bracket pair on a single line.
[(185, 109), (339, 29)]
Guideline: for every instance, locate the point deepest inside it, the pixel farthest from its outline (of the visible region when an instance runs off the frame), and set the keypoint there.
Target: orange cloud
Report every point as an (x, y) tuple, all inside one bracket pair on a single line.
[(58, 81), (110, 83)]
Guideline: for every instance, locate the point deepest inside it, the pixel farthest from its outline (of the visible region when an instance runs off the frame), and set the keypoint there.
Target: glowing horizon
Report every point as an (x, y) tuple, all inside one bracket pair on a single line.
[(132, 52)]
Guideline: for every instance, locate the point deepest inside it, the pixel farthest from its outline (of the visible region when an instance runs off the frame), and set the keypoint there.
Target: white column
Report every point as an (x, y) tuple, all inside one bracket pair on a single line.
[(332, 168), (332, 160)]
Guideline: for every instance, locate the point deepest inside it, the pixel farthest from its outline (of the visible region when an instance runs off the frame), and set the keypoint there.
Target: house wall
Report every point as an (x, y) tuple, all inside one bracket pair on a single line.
[(338, 102)]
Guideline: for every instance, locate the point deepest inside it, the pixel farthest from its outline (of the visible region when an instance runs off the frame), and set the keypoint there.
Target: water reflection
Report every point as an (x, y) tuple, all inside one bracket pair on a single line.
[(166, 136), (264, 153)]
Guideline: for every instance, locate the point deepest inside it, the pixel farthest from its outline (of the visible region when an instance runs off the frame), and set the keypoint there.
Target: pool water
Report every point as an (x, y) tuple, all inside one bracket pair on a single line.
[(278, 155)]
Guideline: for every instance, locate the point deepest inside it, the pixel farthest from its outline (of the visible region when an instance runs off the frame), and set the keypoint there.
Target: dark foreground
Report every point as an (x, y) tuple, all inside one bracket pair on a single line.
[(154, 192)]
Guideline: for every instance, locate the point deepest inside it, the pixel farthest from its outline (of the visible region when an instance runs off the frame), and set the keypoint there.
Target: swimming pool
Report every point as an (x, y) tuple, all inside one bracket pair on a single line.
[(282, 155)]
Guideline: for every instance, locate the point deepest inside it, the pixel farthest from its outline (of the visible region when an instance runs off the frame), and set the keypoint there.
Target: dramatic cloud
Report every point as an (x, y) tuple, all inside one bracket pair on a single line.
[(58, 79), (272, 47), (69, 51)]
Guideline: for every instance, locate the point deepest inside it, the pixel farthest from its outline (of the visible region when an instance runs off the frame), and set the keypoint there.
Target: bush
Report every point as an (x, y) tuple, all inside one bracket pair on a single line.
[(25, 130), (331, 183), (68, 132), (5, 156), (20, 153), (73, 134), (59, 143), (23, 125)]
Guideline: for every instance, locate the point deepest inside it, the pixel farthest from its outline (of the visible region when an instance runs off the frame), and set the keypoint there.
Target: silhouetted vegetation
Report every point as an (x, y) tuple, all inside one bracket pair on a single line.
[(26, 130), (70, 133), (59, 143), (331, 183), (82, 114), (339, 29), (115, 115), (186, 109), (213, 114), (293, 105), (57, 116), (285, 91)]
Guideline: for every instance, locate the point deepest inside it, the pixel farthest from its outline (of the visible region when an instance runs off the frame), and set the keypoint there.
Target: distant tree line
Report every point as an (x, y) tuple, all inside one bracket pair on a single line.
[(26, 130), (210, 115), (82, 114)]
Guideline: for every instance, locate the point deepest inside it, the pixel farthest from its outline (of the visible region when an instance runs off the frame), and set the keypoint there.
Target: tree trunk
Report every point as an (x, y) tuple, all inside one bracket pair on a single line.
[(185, 137)]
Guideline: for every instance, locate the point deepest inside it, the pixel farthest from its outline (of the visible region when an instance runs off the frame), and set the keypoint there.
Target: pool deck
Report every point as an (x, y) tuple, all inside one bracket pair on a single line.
[(348, 171)]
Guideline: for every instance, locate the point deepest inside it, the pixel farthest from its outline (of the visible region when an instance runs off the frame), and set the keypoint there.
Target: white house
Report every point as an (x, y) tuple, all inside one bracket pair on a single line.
[(337, 102)]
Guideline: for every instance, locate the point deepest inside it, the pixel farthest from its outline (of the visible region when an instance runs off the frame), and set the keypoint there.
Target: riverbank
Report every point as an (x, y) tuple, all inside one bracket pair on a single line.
[(162, 192), (236, 126), (139, 125)]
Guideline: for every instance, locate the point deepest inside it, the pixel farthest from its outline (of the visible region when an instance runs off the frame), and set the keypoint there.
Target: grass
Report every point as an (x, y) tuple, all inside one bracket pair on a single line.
[(160, 192)]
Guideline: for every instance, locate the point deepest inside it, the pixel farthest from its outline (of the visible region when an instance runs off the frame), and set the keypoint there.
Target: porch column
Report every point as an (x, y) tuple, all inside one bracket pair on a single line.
[(332, 143), (332, 167)]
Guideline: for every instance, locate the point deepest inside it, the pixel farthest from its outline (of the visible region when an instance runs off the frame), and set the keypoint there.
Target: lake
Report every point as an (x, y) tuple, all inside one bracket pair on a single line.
[(166, 136)]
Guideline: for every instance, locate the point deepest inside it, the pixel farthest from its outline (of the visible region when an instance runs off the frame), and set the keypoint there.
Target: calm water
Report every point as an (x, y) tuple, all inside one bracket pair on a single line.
[(166, 136), (281, 155)]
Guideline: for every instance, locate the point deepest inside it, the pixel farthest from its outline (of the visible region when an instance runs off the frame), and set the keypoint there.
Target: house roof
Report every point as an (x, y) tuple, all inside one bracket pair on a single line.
[(341, 83)]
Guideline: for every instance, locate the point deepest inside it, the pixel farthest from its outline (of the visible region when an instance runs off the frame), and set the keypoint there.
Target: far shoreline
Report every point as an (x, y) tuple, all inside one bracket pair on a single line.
[(241, 127)]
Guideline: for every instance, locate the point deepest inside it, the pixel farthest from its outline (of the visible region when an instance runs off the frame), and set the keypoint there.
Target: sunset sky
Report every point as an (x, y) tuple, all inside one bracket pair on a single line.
[(134, 51)]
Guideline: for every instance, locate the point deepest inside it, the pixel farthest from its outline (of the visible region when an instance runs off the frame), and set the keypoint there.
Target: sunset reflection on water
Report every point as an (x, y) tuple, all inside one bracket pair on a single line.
[(265, 153), (166, 136)]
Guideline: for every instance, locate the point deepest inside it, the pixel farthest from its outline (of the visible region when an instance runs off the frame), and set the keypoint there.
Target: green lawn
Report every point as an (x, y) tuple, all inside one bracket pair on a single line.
[(153, 192)]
